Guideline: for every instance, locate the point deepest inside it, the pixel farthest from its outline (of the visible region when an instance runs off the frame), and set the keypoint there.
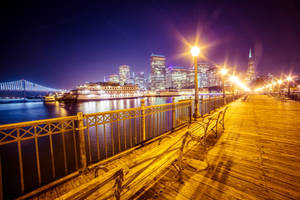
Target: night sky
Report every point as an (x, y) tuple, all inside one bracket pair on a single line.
[(63, 44)]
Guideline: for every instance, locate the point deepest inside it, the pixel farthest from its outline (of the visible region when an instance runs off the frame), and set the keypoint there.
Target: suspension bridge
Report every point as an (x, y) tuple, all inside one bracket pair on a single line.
[(23, 88)]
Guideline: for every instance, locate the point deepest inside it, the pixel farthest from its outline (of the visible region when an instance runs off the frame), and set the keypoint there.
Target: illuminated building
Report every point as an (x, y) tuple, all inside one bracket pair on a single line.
[(140, 80), (132, 79), (158, 72), (204, 74), (124, 74), (183, 77), (176, 77), (114, 78), (251, 69), (207, 76), (213, 77)]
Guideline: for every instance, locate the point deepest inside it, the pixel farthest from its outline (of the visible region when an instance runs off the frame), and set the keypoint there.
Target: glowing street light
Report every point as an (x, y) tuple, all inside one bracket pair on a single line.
[(195, 52), (223, 73), (289, 78), (233, 78)]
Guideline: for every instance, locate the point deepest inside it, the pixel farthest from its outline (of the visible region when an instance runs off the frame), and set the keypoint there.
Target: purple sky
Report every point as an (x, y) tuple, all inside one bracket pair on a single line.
[(63, 44)]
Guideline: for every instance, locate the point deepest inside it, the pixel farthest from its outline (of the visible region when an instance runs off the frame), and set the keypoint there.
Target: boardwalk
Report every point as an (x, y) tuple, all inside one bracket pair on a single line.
[(256, 157)]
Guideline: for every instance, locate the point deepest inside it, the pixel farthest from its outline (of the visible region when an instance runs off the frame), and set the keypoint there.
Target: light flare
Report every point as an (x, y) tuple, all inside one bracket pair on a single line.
[(239, 83), (195, 51), (223, 71)]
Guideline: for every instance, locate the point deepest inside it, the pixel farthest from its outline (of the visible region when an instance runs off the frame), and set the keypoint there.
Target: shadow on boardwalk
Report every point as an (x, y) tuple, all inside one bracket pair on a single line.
[(257, 156)]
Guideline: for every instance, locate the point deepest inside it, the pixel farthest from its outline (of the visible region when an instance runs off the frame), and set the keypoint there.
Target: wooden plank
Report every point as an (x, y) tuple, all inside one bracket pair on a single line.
[(257, 157)]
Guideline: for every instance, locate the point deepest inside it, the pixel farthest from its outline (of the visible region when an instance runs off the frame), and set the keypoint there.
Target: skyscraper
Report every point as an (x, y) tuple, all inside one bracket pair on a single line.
[(124, 74), (176, 77), (251, 69), (158, 72), (140, 80), (114, 78), (207, 76)]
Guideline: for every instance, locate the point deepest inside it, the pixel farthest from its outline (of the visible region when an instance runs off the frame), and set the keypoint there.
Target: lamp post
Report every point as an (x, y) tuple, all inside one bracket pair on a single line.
[(223, 73), (279, 86), (273, 86), (289, 79), (195, 52), (233, 80)]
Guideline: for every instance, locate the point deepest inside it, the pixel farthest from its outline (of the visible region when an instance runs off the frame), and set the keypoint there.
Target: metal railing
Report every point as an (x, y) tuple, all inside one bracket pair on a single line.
[(207, 105), (54, 148), (293, 95)]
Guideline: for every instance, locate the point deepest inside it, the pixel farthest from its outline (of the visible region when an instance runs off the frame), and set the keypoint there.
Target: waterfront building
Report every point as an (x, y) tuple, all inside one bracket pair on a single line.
[(140, 80), (103, 90), (207, 76), (177, 77), (204, 74), (114, 78), (251, 75), (158, 72), (214, 79), (124, 75), (132, 79)]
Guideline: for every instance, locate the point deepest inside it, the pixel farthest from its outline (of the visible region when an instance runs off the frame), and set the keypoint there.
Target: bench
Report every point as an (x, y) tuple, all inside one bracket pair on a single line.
[(210, 123), (118, 182)]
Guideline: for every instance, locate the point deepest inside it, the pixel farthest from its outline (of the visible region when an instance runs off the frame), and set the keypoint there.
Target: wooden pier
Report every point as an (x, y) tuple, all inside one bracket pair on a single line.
[(256, 157)]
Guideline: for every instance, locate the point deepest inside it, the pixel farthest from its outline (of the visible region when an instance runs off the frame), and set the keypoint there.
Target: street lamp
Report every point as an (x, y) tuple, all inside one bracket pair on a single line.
[(233, 80), (195, 52), (279, 86), (289, 79), (223, 73)]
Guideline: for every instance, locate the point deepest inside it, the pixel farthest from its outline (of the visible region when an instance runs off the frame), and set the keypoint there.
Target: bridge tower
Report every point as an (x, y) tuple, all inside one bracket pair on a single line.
[(24, 88)]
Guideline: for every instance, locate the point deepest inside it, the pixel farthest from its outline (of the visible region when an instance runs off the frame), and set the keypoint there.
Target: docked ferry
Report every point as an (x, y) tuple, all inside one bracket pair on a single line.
[(102, 91)]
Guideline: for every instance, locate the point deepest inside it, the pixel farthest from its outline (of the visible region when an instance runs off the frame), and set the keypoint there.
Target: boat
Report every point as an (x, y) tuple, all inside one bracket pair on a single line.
[(49, 98)]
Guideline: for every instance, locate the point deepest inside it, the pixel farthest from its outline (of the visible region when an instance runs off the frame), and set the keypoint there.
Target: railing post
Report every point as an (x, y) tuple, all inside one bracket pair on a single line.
[(173, 113), (143, 119), (215, 101), (1, 184), (191, 110), (209, 102), (202, 106), (82, 148)]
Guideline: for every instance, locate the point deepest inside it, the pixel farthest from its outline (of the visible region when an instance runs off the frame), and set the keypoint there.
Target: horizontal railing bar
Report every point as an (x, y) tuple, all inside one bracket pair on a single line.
[(38, 136), (36, 122), (110, 112)]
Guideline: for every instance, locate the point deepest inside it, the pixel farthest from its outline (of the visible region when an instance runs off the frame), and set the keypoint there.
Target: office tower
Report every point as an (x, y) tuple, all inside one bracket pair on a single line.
[(114, 78), (158, 72), (140, 80), (177, 77), (124, 74)]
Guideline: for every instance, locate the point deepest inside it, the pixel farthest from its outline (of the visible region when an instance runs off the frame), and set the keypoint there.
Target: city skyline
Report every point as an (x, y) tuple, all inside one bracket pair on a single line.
[(62, 45)]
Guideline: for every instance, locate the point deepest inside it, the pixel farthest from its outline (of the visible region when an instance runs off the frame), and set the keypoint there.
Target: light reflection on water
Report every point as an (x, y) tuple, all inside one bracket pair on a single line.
[(20, 112)]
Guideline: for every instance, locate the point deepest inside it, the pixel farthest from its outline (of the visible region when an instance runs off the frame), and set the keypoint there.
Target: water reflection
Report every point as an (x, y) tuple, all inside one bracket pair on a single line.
[(18, 112)]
